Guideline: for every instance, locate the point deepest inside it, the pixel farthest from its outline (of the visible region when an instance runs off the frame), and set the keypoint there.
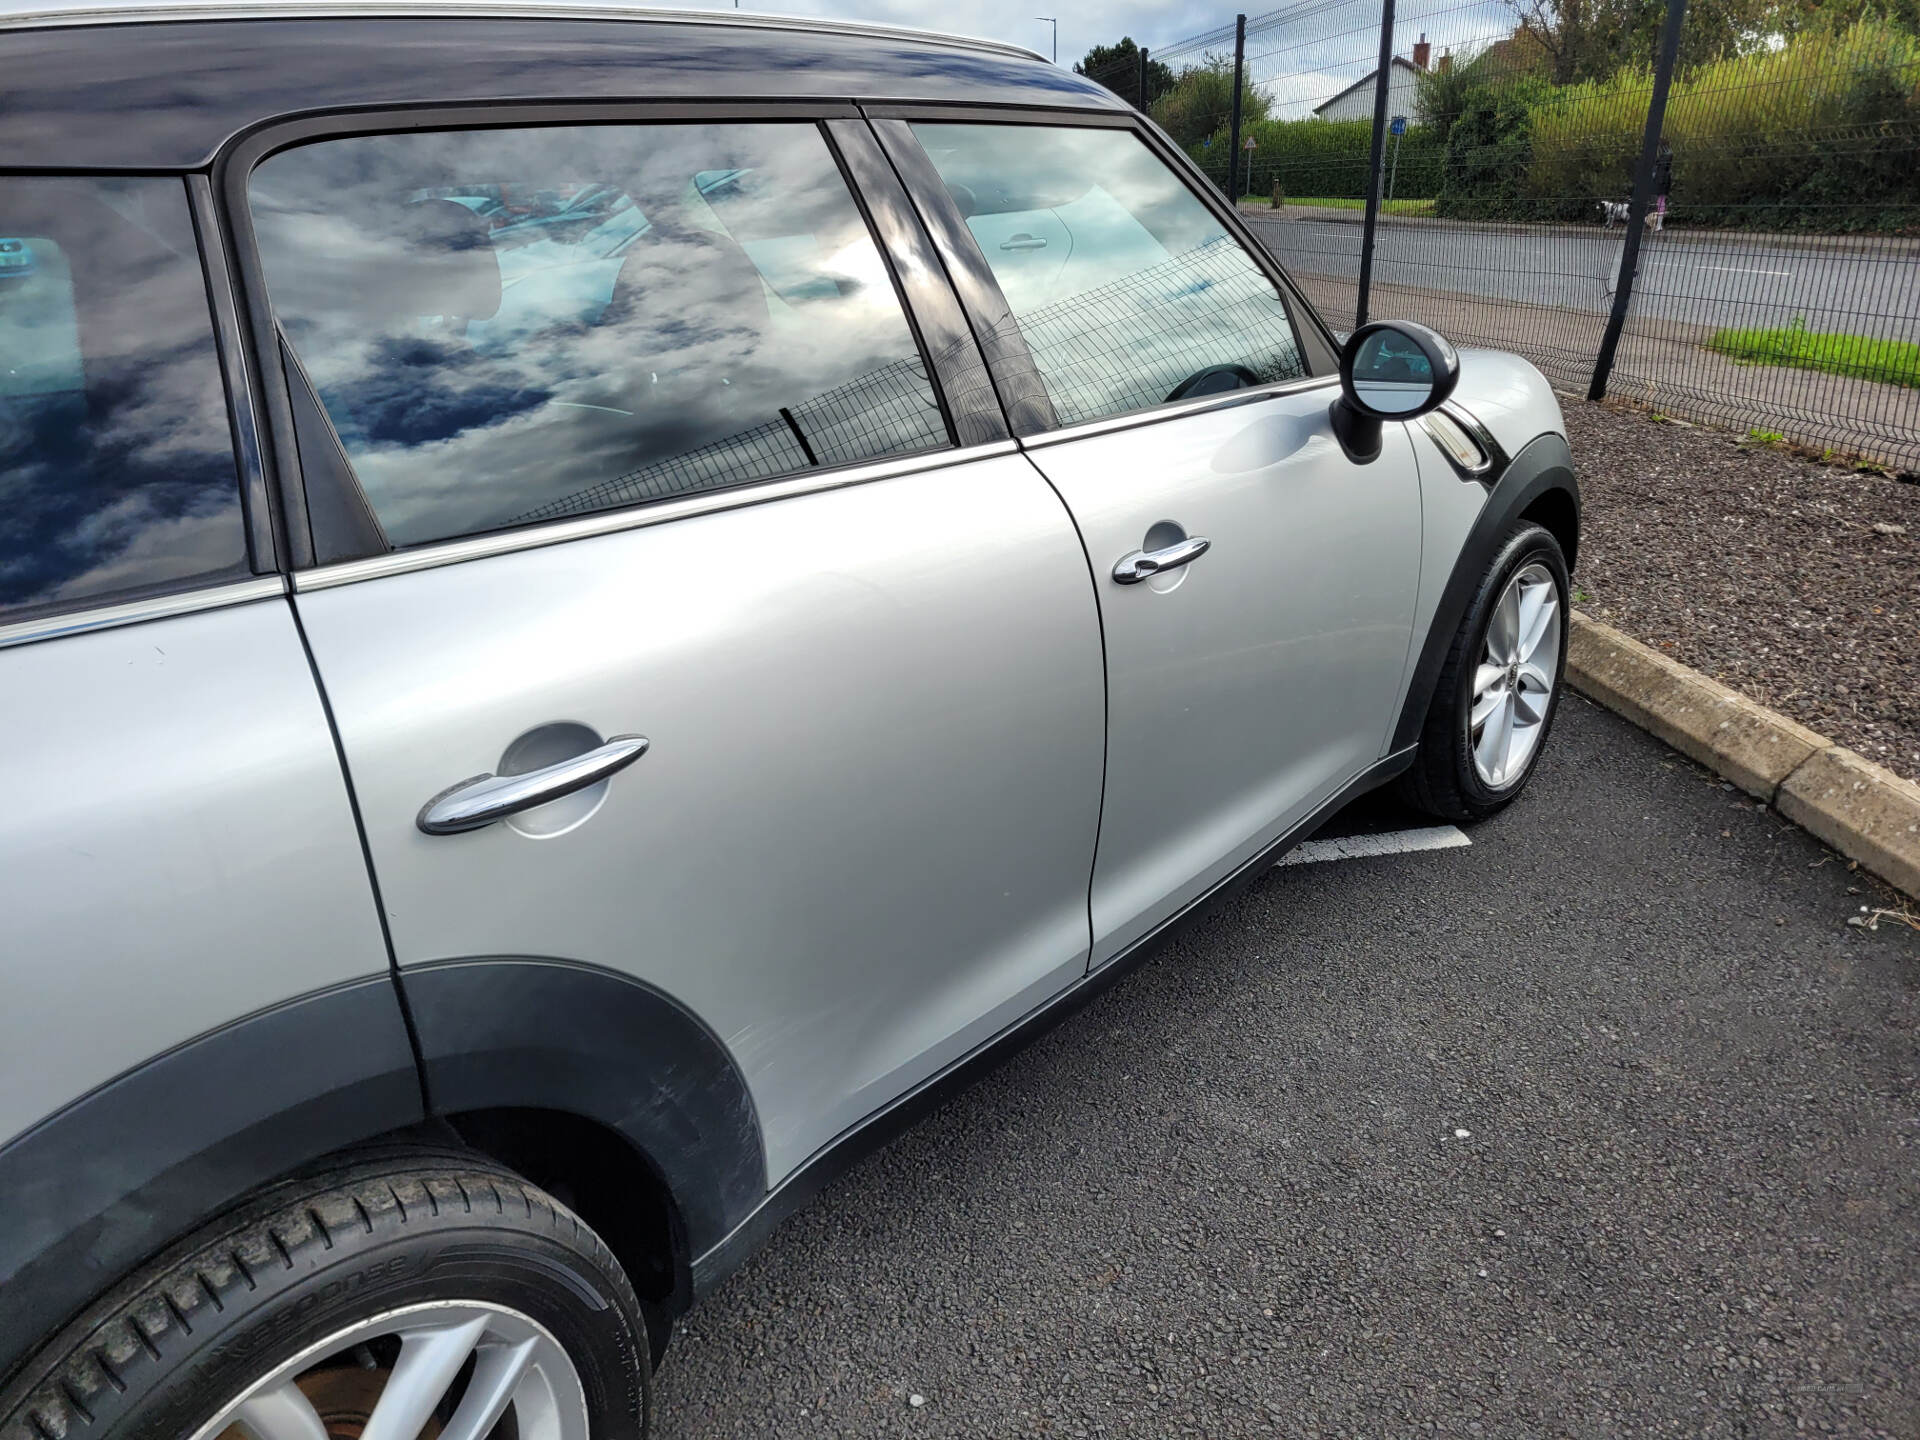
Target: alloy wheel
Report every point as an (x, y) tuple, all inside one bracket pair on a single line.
[(445, 1370), (1513, 684)]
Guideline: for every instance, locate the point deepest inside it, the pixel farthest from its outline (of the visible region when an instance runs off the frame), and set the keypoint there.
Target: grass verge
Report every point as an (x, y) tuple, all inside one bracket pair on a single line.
[(1892, 362), (1387, 207)]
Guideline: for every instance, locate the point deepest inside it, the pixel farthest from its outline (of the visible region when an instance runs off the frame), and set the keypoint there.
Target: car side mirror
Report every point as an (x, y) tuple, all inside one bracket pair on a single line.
[(1389, 370)]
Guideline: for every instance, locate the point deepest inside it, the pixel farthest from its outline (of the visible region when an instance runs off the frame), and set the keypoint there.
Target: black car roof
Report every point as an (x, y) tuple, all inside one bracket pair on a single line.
[(164, 89)]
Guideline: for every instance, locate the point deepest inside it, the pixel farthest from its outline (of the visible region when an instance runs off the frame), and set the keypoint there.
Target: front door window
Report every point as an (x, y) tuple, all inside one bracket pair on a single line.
[(1128, 291)]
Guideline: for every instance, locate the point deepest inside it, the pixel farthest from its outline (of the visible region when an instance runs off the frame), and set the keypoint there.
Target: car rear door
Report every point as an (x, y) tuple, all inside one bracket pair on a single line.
[(688, 516), (1185, 425), (177, 851)]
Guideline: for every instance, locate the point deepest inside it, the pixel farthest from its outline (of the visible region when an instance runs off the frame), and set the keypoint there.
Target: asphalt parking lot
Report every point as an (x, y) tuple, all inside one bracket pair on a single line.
[(1603, 1125)]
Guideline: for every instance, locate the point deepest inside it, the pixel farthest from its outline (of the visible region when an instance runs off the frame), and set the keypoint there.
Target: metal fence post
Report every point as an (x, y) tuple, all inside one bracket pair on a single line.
[(1233, 139), (1382, 77), (1143, 79), (1642, 197)]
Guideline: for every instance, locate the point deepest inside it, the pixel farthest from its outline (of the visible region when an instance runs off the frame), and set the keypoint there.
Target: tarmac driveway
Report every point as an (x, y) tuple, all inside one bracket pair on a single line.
[(1604, 1125)]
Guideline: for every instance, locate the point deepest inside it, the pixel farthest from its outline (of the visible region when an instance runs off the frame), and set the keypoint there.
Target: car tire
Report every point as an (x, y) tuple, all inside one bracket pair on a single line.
[(1461, 772), (410, 1258)]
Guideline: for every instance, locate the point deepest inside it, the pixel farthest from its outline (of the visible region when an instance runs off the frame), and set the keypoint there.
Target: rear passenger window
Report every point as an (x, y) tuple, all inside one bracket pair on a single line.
[(509, 326), (116, 460), (1127, 290)]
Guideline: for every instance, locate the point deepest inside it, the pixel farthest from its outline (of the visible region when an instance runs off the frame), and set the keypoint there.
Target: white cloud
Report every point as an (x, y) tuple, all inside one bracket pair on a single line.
[(1082, 26)]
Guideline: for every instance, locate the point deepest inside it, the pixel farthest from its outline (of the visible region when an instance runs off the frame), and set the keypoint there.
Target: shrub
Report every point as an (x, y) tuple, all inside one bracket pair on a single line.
[(1823, 134), (1820, 134), (1490, 152), (1201, 102), (1327, 159), (1586, 142)]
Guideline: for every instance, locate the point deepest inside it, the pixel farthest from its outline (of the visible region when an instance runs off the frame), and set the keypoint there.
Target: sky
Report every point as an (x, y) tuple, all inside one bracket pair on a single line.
[(1303, 53), (1082, 25), (1300, 54)]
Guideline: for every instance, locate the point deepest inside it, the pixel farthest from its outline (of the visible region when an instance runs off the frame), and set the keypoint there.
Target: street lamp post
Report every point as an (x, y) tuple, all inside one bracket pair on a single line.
[(1056, 35)]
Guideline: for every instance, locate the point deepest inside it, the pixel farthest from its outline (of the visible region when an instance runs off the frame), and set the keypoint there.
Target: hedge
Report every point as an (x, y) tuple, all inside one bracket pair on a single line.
[(1822, 134), (1326, 158)]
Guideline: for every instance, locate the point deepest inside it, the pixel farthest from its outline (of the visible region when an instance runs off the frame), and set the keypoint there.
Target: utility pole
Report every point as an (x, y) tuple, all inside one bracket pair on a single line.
[(1381, 77), (1056, 35), (1233, 141)]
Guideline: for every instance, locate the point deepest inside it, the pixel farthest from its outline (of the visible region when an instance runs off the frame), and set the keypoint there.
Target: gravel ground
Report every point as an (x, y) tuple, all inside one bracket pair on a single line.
[(1760, 569), (1604, 1126)]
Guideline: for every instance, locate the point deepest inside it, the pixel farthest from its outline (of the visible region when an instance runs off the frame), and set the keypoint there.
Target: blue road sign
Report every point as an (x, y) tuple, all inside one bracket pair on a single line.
[(1398, 125)]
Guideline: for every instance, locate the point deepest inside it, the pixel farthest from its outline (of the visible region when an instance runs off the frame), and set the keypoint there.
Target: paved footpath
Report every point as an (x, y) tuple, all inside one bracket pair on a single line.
[(1604, 1125)]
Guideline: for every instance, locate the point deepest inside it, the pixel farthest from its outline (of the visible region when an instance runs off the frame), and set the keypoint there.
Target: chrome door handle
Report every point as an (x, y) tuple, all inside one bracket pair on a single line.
[(1143, 564), (1024, 241), (478, 802)]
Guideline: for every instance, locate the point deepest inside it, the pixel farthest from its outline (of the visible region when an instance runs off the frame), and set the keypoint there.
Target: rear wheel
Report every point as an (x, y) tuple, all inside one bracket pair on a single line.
[(422, 1296), (1498, 691)]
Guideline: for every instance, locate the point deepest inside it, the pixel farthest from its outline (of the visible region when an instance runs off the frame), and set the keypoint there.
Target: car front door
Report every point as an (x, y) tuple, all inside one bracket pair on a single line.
[(1256, 586), (679, 532)]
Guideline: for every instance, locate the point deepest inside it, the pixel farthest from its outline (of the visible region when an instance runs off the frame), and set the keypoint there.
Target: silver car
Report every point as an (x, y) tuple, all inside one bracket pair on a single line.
[(574, 650)]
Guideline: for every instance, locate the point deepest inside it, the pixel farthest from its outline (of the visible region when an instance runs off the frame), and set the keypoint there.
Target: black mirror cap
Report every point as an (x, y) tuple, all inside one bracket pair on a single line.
[(1356, 424)]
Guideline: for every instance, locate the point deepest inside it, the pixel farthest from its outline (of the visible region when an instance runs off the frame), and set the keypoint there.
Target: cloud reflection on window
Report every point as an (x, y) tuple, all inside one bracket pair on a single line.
[(499, 322), (116, 465)]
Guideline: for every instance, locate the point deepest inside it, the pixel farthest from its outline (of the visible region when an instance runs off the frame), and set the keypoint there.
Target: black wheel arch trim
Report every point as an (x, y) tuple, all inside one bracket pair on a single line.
[(533, 1032), (99, 1187), (1543, 466)]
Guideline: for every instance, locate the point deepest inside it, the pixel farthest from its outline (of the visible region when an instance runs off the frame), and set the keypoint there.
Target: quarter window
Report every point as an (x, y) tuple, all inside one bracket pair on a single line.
[(1128, 291), (509, 326), (116, 458)]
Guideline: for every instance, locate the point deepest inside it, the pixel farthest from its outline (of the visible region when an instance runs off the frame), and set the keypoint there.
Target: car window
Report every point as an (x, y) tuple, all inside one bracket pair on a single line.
[(1128, 291), (508, 326), (116, 458)]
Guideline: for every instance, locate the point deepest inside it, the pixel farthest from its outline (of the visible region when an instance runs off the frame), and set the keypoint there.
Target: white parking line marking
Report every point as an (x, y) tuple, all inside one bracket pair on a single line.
[(1362, 847), (1740, 270)]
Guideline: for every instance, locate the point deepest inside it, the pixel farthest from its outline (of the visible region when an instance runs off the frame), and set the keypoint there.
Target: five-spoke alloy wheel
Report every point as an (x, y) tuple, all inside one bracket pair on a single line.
[(1513, 683), (1495, 697)]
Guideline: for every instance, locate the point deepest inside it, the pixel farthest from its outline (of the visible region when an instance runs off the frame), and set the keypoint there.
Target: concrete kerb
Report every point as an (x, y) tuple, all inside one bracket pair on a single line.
[(1861, 809)]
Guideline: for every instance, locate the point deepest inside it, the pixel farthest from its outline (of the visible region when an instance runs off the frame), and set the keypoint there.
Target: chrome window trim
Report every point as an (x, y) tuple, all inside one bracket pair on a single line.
[(658, 512), (469, 9), (1178, 409), (134, 612)]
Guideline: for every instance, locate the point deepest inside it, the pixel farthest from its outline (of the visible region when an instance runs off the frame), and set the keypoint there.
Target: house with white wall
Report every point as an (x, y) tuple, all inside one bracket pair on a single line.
[(1403, 89)]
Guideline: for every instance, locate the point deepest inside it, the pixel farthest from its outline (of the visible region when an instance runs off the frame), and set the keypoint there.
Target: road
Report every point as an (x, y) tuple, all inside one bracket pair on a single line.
[(1869, 287), (1604, 1125)]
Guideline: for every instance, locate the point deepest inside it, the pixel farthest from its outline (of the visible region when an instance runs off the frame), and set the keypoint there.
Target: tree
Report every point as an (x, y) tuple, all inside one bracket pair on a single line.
[(1590, 39), (1801, 15), (1200, 102), (1118, 68)]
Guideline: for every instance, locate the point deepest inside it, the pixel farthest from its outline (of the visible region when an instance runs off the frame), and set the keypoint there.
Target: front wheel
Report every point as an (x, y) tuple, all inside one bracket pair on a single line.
[(422, 1297), (1500, 686)]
